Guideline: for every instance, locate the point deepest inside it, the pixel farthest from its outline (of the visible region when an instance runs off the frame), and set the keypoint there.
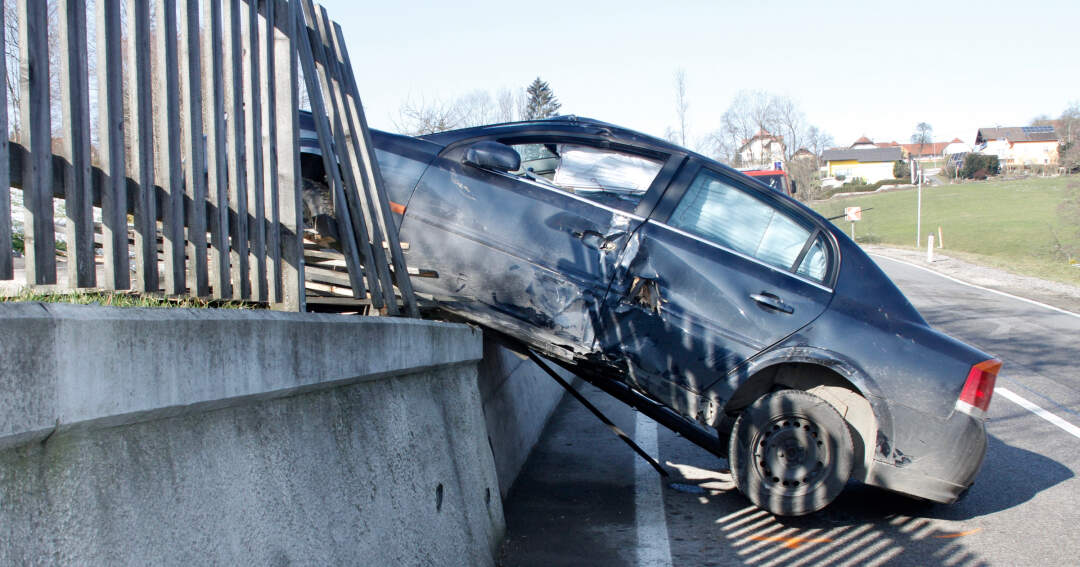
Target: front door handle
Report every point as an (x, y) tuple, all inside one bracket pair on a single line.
[(772, 302)]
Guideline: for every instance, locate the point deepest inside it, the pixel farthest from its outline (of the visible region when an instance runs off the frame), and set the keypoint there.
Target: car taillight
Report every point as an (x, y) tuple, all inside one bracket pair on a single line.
[(979, 387)]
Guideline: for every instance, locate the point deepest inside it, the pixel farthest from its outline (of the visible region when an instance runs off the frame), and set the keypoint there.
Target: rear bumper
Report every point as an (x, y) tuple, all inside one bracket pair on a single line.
[(946, 470)]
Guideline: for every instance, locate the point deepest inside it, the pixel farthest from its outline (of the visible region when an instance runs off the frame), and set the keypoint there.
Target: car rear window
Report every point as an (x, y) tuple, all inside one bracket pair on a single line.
[(717, 210)]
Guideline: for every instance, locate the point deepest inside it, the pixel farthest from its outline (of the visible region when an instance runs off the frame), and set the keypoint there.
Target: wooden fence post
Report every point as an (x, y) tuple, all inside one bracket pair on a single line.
[(111, 145), (167, 134), (236, 142), (290, 185), (7, 262), (141, 132), (34, 134), (216, 166)]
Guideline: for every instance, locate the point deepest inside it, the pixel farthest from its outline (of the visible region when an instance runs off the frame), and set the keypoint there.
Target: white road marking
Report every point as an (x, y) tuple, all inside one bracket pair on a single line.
[(1022, 402), (962, 282), (653, 548)]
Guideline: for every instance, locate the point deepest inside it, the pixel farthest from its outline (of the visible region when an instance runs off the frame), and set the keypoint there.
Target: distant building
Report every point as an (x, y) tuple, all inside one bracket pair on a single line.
[(930, 150), (762, 150), (803, 153), (863, 159), (957, 146), (1019, 145)]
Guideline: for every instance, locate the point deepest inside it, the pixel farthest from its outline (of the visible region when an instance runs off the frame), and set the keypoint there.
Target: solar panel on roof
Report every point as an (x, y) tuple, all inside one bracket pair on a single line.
[(1038, 129)]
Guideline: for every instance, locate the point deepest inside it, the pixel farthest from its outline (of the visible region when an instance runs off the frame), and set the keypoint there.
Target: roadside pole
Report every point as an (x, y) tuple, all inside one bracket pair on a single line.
[(916, 174)]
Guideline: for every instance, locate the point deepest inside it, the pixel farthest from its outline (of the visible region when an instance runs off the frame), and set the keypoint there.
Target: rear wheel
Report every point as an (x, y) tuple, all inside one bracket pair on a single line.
[(790, 453)]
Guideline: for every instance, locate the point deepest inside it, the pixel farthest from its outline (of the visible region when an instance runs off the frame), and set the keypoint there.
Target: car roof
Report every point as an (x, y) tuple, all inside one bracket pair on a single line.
[(568, 123)]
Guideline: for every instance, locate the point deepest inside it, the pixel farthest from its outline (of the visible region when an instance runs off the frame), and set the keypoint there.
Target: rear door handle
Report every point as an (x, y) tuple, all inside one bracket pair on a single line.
[(771, 301)]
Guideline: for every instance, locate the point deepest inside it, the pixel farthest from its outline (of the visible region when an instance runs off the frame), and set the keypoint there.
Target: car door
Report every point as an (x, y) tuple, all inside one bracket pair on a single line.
[(722, 270), (527, 252)]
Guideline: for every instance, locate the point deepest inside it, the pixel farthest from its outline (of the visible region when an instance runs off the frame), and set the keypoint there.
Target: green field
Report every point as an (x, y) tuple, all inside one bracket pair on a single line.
[(1005, 224)]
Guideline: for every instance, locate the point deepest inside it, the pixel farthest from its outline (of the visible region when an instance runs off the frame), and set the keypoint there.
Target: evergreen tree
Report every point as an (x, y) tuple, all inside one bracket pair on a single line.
[(541, 101)]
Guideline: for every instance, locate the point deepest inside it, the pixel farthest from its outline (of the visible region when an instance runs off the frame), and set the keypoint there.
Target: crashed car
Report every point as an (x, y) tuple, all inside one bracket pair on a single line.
[(726, 311)]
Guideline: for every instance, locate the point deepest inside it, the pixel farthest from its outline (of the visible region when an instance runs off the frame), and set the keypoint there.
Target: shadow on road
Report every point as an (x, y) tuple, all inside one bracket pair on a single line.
[(864, 526)]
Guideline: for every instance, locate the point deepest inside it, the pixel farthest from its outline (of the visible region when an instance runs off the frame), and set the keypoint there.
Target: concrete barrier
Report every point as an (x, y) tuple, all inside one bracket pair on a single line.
[(518, 398), (151, 436)]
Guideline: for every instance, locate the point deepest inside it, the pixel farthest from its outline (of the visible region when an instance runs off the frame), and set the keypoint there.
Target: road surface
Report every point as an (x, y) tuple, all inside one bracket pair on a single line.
[(585, 499)]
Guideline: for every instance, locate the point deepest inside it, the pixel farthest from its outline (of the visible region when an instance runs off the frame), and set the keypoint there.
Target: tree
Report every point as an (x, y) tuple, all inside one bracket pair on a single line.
[(476, 108), (681, 104), (541, 101), (924, 134), (901, 169)]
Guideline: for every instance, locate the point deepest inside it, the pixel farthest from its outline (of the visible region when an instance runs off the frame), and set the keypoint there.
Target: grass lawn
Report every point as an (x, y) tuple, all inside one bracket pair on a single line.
[(122, 299), (1005, 224)]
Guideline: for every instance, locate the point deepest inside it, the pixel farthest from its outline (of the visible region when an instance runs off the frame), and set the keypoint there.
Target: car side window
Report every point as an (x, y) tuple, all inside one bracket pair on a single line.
[(717, 210), (609, 177)]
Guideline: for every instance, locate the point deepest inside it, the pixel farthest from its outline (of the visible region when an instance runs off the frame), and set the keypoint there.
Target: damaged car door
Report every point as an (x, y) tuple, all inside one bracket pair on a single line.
[(529, 248), (721, 270)]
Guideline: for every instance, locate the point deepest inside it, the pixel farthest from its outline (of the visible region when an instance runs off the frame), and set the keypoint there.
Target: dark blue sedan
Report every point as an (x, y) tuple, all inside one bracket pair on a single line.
[(725, 310)]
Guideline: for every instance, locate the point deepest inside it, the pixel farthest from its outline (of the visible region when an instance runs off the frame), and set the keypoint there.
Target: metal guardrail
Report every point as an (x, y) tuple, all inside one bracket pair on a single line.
[(202, 152)]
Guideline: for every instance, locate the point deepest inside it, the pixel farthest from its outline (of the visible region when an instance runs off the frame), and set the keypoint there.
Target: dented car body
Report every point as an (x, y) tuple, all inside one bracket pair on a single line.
[(726, 311)]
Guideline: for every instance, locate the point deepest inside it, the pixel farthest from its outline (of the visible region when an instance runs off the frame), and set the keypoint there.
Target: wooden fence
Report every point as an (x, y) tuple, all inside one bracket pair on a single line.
[(197, 139)]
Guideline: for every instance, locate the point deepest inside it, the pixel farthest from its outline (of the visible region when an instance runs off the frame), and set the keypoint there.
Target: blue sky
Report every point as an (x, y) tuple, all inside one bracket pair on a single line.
[(855, 68)]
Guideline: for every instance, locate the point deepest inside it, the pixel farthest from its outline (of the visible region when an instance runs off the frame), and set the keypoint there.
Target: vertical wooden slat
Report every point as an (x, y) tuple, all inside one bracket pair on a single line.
[(194, 149), (333, 173), (348, 154), (236, 143), (75, 108), (111, 145), (350, 187), (141, 132), (367, 153), (217, 191), (34, 134), (288, 172), (167, 134), (273, 233), (257, 187), (7, 264)]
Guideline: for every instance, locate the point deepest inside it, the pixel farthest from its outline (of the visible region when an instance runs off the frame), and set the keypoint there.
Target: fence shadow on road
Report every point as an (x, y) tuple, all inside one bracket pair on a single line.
[(866, 525)]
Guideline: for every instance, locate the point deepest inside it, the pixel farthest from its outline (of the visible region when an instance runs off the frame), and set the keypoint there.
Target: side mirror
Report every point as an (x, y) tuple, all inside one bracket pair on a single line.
[(492, 155)]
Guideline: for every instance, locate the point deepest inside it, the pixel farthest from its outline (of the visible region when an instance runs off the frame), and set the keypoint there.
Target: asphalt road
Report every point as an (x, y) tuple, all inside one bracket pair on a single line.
[(585, 499)]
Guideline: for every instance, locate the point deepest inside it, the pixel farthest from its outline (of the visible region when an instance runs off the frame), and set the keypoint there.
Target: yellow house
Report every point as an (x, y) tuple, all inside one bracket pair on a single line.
[(862, 160)]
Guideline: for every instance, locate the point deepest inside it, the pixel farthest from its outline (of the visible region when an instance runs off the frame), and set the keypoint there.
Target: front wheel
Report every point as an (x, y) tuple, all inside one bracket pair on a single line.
[(790, 453)]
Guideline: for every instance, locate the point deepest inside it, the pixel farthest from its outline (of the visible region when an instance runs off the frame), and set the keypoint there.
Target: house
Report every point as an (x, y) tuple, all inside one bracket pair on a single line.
[(957, 146), (762, 149), (863, 159), (1019, 145), (931, 150)]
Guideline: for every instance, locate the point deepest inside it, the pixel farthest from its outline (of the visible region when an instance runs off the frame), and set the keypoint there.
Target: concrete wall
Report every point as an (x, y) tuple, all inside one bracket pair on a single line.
[(144, 436), (518, 398)]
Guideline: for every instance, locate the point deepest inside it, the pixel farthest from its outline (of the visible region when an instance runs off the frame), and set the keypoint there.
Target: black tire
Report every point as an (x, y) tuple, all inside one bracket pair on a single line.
[(790, 453)]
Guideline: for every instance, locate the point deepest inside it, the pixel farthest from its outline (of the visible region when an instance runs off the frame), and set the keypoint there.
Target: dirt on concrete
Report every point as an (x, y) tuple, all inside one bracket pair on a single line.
[(1057, 294)]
